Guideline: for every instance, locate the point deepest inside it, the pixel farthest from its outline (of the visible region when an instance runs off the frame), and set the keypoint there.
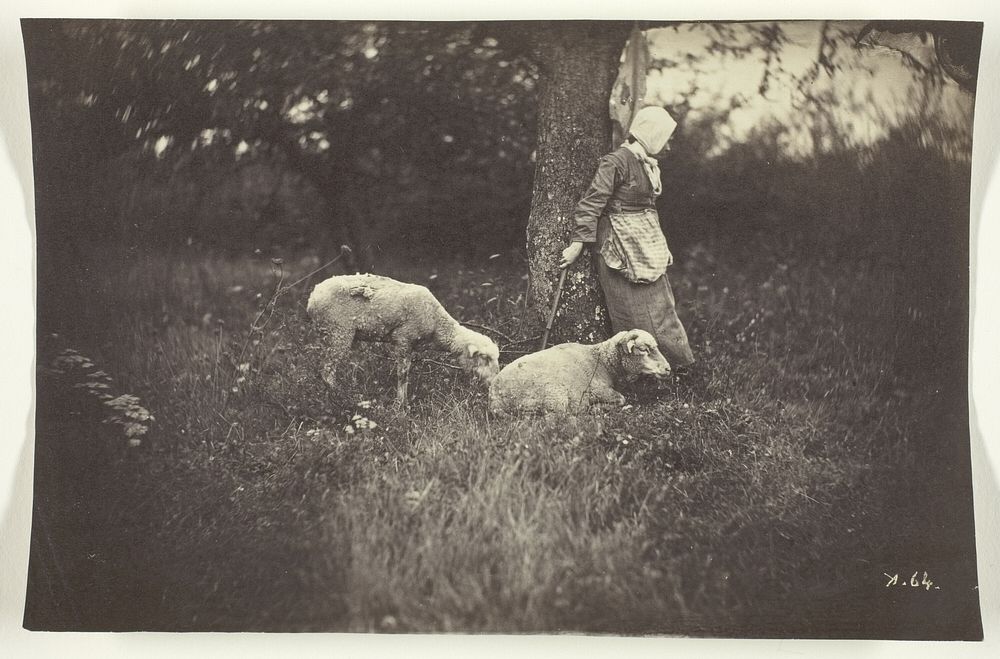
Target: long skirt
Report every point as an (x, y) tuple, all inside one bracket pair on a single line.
[(647, 307)]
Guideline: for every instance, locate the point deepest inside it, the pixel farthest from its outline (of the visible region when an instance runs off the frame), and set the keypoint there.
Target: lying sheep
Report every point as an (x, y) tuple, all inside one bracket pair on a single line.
[(374, 308), (573, 377)]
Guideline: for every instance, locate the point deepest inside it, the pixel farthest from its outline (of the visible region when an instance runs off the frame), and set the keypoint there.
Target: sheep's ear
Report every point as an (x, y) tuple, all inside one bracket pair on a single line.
[(631, 343), (473, 351)]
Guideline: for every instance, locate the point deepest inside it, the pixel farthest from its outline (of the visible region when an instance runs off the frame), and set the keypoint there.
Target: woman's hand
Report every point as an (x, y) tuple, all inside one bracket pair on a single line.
[(571, 254)]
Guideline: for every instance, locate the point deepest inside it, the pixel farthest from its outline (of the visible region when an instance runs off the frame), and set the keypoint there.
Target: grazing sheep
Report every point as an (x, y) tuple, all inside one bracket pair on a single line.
[(572, 377), (374, 308)]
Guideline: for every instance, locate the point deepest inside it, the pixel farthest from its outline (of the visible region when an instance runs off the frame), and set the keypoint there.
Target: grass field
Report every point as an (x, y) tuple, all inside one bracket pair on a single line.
[(767, 500)]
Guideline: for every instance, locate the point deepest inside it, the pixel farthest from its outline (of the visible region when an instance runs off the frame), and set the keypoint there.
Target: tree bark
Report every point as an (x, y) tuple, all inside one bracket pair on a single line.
[(578, 64)]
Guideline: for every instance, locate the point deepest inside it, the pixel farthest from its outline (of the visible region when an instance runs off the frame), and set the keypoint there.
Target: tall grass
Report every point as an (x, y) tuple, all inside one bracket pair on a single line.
[(754, 504)]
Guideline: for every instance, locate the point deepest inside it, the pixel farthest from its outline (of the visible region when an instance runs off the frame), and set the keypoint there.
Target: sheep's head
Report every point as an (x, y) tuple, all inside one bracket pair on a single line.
[(639, 355), (477, 353)]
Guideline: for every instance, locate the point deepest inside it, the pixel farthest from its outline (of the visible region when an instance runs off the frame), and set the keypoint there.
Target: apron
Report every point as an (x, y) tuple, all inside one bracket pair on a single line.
[(636, 247), (645, 306)]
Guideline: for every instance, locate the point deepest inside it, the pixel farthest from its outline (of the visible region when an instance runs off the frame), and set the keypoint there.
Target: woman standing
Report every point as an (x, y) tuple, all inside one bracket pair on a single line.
[(618, 216)]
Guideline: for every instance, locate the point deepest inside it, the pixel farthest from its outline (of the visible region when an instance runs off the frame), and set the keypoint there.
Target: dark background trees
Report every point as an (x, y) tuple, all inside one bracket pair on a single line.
[(432, 139), (379, 130), (423, 142)]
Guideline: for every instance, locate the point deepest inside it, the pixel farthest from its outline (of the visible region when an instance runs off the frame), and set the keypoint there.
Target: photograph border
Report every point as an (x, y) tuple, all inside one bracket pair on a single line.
[(16, 457)]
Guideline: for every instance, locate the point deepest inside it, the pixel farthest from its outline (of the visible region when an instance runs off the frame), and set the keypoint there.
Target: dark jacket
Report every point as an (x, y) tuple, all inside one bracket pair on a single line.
[(620, 184)]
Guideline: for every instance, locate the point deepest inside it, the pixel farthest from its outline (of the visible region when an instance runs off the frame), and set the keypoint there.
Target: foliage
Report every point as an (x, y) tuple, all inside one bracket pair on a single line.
[(432, 118), (388, 136)]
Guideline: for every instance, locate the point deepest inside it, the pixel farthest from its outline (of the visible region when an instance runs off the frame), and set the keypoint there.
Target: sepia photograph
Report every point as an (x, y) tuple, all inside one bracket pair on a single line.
[(630, 328)]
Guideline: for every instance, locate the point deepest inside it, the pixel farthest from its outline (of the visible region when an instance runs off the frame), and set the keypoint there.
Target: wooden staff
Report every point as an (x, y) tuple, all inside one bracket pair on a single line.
[(555, 305)]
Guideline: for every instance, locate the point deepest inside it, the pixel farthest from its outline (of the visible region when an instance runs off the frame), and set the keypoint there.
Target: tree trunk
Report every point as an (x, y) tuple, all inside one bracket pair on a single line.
[(578, 63)]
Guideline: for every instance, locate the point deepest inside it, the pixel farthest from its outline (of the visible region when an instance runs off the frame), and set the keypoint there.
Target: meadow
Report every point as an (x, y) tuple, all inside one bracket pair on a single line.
[(766, 499)]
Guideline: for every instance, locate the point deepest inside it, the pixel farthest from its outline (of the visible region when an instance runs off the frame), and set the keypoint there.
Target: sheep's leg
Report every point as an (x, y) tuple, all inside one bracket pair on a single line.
[(404, 359), (402, 350), (334, 346), (605, 396)]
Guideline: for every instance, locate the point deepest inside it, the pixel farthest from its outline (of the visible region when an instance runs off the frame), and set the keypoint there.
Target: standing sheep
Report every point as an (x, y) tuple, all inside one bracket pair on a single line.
[(374, 308), (571, 377)]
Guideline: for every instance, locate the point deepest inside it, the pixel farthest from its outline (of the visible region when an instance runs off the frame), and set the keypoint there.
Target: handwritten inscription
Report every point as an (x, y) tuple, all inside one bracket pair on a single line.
[(915, 581)]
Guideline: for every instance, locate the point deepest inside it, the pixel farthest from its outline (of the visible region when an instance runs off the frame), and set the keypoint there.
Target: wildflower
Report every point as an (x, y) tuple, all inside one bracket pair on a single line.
[(365, 424), (134, 429), (138, 413)]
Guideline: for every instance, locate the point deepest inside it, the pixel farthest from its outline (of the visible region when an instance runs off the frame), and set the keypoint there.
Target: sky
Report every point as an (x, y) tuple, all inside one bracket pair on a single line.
[(874, 87)]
